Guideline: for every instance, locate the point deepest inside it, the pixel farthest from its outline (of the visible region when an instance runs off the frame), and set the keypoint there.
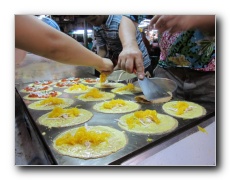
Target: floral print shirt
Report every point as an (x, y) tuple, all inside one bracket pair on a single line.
[(191, 49)]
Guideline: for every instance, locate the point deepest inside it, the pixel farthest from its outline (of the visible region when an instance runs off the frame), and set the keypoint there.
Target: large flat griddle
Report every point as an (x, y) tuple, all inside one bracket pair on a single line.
[(136, 143)]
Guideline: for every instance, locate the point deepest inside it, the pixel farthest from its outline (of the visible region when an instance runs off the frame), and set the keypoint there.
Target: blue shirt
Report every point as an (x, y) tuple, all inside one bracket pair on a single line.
[(108, 35), (51, 22)]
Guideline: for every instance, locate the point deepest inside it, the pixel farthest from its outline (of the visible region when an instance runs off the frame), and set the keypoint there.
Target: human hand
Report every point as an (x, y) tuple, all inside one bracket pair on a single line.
[(105, 67), (172, 23), (131, 61)]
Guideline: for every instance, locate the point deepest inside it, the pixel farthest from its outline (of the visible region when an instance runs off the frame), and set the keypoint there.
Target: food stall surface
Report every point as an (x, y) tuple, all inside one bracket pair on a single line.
[(137, 144)]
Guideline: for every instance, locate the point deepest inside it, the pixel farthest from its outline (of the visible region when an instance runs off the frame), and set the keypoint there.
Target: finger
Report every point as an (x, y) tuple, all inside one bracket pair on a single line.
[(129, 64), (160, 21), (116, 67), (140, 70), (172, 25), (122, 64), (154, 20)]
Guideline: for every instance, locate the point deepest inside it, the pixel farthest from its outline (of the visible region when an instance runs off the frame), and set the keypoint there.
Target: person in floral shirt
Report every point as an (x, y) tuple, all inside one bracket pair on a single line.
[(188, 54)]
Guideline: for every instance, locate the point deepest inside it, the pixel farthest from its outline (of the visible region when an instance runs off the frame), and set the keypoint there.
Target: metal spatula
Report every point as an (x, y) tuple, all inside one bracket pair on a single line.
[(151, 90)]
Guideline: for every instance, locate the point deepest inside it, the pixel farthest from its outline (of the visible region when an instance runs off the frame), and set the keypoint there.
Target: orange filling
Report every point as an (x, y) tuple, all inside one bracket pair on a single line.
[(114, 103), (83, 137), (128, 87), (77, 87), (103, 77), (52, 101), (181, 107), (95, 93), (144, 116), (58, 112)]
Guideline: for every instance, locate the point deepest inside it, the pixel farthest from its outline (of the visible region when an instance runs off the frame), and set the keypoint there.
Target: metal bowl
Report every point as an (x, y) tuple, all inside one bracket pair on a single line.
[(164, 83)]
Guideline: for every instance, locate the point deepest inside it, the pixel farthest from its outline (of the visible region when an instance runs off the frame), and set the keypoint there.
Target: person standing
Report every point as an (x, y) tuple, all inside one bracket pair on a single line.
[(188, 55), (119, 44), (90, 43)]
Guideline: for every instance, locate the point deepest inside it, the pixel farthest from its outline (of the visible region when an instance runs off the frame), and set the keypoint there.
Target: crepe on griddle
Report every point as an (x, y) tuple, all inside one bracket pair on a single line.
[(96, 95), (90, 142), (50, 103), (184, 109), (60, 117), (147, 122), (116, 106)]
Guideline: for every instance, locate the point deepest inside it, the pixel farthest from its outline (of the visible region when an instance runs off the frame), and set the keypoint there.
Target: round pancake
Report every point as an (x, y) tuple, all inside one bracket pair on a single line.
[(142, 99), (39, 98), (116, 141), (167, 124), (83, 117), (195, 111), (109, 85), (129, 107), (36, 105)]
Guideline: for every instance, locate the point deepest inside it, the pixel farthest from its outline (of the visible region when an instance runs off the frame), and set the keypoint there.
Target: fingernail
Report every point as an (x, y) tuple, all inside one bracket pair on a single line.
[(141, 76)]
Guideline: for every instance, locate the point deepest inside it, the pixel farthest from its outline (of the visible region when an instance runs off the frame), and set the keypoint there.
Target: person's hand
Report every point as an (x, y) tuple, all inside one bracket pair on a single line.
[(172, 23), (105, 67), (131, 61)]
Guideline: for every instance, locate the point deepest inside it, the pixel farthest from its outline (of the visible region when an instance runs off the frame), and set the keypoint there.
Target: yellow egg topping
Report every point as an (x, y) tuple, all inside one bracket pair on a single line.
[(142, 117), (51, 101), (83, 137), (103, 77), (78, 87), (95, 93), (60, 112), (128, 87), (202, 129), (114, 103), (181, 107)]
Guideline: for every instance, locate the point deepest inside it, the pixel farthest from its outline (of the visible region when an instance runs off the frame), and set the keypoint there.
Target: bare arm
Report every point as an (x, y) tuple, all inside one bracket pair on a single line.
[(37, 37), (131, 57), (176, 23)]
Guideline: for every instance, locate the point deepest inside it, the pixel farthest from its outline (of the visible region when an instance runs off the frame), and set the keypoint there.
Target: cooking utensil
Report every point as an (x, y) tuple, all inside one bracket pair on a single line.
[(167, 84), (151, 90)]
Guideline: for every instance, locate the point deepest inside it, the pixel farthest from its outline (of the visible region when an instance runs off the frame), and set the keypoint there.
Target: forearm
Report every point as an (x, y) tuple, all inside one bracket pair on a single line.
[(177, 23), (205, 23), (41, 39), (127, 32), (130, 59), (71, 52)]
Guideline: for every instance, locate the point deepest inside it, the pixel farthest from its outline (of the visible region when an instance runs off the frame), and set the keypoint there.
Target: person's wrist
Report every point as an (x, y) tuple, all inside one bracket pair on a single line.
[(131, 43), (99, 62)]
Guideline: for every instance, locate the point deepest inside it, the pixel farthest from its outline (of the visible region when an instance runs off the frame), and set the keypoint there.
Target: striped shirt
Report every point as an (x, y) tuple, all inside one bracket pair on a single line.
[(108, 35)]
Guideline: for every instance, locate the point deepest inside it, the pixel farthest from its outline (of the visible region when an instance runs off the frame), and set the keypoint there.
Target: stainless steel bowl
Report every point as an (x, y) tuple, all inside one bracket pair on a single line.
[(164, 83)]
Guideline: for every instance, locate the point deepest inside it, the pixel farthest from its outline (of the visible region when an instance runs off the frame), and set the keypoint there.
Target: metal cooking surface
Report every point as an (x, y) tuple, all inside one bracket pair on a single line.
[(136, 143)]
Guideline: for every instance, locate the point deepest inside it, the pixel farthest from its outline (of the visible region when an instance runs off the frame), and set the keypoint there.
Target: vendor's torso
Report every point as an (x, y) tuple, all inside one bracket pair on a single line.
[(189, 49)]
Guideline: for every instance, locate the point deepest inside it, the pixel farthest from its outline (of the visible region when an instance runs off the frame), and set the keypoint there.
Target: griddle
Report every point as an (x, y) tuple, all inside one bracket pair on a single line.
[(137, 143)]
